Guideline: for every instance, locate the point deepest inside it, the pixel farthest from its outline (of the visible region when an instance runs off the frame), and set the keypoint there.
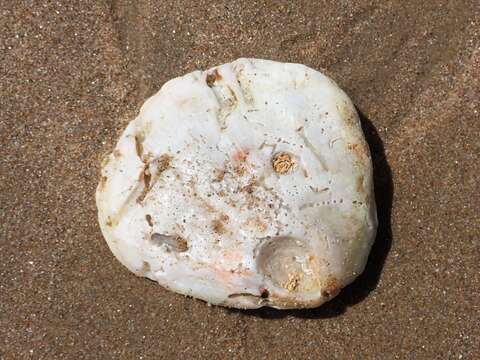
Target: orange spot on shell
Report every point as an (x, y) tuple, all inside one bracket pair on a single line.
[(360, 150), (213, 77), (240, 155), (331, 288)]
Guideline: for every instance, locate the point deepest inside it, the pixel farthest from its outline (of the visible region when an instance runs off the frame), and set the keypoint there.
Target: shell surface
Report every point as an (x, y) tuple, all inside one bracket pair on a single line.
[(246, 185)]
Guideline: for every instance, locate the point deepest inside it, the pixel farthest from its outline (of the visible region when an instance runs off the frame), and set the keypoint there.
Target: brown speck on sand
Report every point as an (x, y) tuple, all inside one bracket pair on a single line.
[(72, 74)]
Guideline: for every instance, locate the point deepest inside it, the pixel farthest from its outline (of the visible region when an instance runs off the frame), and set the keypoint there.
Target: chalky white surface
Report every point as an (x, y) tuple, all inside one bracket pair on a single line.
[(215, 220)]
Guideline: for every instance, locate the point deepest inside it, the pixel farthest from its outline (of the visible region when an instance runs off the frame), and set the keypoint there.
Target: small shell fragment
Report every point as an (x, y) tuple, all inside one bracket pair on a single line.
[(246, 185)]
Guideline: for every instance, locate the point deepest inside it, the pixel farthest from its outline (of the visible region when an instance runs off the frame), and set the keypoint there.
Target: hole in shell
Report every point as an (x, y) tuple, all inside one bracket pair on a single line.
[(264, 294), (171, 242), (287, 262)]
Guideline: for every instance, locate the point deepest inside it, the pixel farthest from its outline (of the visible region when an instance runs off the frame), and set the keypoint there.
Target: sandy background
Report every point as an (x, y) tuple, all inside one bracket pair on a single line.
[(73, 73)]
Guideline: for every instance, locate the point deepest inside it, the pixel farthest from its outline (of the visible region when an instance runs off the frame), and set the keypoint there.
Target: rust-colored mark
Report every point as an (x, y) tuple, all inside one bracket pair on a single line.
[(105, 161), (292, 283), (250, 187), (146, 177), (218, 175), (305, 172), (359, 150), (117, 153), (218, 225), (240, 158), (148, 217), (360, 188), (109, 221), (264, 294), (182, 244), (208, 207), (351, 120), (233, 95), (103, 181), (139, 138), (145, 269), (240, 169), (260, 224), (331, 288), (163, 163), (256, 223), (241, 155), (171, 242), (213, 77), (282, 162)]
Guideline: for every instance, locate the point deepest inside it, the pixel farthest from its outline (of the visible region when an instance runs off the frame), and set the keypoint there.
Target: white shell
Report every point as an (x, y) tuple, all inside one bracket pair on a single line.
[(247, 185)]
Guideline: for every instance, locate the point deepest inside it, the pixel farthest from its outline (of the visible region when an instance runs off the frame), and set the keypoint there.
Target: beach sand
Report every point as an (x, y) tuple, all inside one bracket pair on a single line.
[(74, 73)]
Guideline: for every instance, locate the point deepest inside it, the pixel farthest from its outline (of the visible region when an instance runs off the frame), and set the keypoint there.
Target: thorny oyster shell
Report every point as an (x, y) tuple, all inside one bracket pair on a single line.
[(246, 185)]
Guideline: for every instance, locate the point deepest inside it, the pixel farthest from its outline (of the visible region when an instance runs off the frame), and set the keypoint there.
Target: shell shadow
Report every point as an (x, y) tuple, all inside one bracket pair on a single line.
[(368, 280)]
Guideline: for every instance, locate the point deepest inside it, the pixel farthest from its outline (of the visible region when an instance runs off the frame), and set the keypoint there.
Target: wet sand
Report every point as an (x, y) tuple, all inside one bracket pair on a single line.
[(73, 73)]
